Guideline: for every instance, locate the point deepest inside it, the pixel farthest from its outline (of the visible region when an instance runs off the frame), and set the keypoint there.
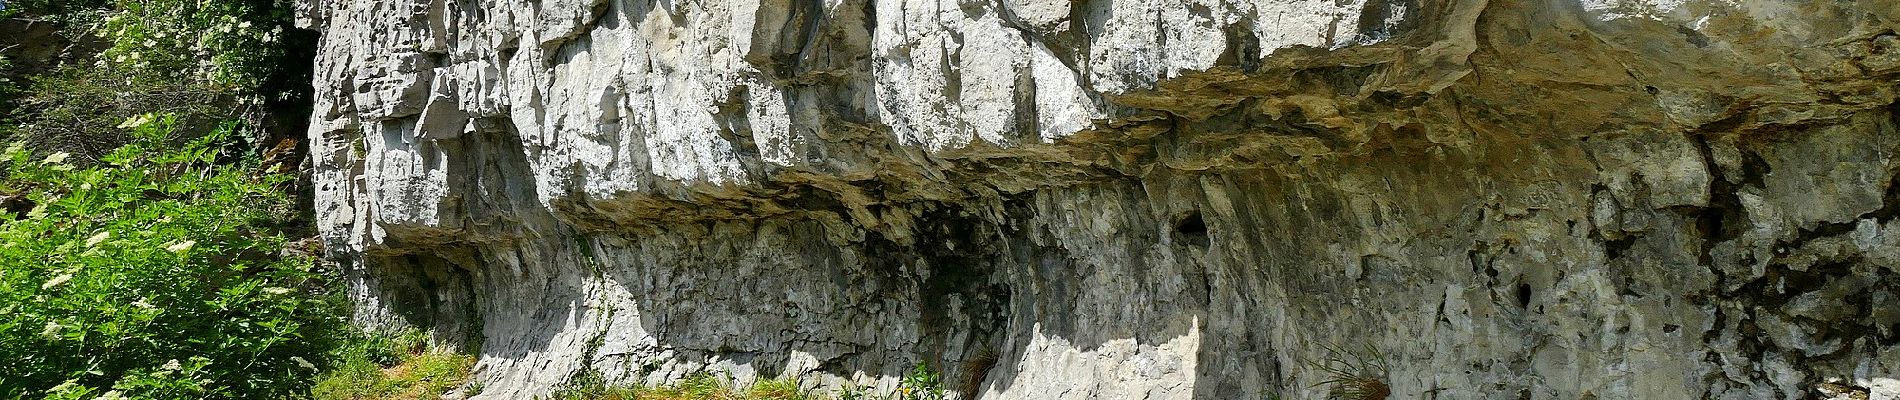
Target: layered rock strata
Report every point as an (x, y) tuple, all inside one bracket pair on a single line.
[(1160, 199)]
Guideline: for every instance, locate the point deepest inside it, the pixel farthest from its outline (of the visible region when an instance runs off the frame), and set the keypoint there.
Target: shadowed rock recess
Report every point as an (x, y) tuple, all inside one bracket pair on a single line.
[(1128, 199)]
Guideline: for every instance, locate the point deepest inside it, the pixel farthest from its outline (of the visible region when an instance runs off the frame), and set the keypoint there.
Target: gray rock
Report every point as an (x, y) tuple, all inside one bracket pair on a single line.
[(1123, 199)]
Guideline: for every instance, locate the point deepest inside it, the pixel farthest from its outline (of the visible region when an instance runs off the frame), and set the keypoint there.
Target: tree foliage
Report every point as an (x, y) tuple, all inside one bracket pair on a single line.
[(234, 43), (156, 273), (204, 61)]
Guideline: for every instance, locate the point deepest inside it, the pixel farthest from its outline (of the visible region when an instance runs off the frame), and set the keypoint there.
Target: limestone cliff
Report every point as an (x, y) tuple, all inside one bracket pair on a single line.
[(1130, 199)]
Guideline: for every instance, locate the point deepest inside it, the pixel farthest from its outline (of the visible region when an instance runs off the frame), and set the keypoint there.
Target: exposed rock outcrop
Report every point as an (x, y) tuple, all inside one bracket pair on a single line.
[(1055, 199)]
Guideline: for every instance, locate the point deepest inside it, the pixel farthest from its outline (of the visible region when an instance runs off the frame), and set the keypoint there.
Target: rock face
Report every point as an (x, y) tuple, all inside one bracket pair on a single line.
[(1128, 199)]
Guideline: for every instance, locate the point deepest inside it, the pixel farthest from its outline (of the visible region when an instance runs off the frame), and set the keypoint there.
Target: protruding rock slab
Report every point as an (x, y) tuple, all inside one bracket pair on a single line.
[(1126, 199)]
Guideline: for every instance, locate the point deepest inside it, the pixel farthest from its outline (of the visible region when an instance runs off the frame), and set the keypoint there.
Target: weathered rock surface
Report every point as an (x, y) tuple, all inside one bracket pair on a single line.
[(1056, 199)]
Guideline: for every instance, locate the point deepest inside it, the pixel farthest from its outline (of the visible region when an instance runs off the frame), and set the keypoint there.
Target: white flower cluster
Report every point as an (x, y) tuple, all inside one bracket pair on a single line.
[(56, 281)]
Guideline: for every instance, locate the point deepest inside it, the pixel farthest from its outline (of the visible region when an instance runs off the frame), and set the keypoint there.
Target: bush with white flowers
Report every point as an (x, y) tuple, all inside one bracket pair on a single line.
[(156, 273), (235, 43)]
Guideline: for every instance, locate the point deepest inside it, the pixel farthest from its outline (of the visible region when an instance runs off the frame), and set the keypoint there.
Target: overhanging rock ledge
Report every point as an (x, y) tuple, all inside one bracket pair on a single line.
[(1081, 199)]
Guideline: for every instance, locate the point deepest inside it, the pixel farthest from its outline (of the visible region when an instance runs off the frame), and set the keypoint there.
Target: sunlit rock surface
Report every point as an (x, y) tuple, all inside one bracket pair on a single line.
[(1119, 199)]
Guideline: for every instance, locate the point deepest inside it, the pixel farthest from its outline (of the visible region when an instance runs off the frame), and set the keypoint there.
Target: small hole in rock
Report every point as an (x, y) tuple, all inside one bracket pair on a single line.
[(1192, 229), (1523, 295)]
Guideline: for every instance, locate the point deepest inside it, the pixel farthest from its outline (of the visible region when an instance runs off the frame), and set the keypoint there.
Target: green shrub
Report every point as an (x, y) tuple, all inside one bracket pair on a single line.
[(702, 386), (78, 109), (921, 383), (51, 8), (6, 83), (204, 61), (1354, 375), (201, 60), (236, 43), (231, 42), (155, 273), (391, 366)]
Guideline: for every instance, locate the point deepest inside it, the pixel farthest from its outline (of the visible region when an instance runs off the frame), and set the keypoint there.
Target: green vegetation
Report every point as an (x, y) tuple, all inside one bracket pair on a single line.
[(400, 366), (158, 272), (1353, 375), (59, 9), (236, 43), (920, 384), (145, 250), (78, 110), (203, 61), (701, 386)]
